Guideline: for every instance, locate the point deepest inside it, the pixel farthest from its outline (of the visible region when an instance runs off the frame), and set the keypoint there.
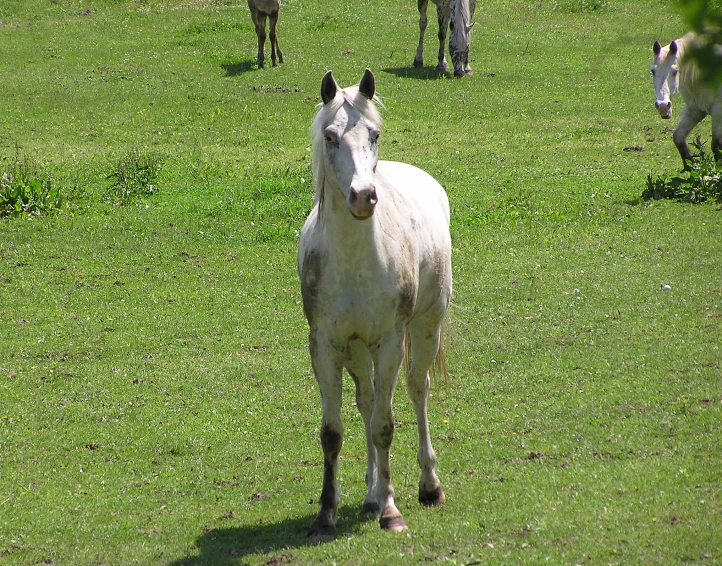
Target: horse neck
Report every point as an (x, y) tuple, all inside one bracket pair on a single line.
[(461, 10), (344, 233)]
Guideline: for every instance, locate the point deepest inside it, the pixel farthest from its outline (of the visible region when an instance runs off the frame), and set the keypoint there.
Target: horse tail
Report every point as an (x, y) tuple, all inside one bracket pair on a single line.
[(438, 368)]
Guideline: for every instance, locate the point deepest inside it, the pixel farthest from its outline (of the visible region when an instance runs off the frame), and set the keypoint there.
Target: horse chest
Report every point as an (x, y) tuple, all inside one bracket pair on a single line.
[(356, 299)]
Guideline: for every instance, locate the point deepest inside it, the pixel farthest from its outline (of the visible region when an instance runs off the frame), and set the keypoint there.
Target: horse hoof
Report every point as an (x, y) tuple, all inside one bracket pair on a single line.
[(443, 67), (370, 508), (321, 534), (394, 524), (431, 498), (418, 63)]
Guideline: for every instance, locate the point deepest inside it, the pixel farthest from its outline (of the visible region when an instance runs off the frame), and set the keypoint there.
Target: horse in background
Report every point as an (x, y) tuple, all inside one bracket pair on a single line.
[(374, 260), (260, 11), (672, 71), (455, 15)]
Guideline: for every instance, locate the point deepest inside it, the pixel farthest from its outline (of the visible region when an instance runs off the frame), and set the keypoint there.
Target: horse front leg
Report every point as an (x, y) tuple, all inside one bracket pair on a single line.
[(387, 360), (360, 368), (327, 365), (273, 36), (423, 22), (443, 14), (260, 21), (688, 119), (424, 347)]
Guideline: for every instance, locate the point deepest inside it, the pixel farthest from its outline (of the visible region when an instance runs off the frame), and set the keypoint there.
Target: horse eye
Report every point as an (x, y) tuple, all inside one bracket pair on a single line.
[(330, 138)]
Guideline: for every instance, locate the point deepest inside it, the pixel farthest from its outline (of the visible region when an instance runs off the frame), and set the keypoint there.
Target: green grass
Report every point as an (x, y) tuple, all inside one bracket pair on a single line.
[(157, 404)]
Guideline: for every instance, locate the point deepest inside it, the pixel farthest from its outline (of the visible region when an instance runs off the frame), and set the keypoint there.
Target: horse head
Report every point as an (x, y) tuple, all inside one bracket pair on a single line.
[(460, 39), (347, 133), (665, 69)]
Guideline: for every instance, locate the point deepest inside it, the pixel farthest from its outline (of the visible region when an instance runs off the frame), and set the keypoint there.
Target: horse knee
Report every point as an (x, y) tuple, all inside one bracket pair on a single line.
[(383, 435), (331, 440)]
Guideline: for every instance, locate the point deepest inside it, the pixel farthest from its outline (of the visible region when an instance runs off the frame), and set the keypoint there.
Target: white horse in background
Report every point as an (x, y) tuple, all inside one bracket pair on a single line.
[(671, 71), (374, 261), (456, 15), (260, 11)]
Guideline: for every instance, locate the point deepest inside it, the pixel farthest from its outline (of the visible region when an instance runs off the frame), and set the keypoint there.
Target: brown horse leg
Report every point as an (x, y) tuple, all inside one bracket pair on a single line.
[(273, 20)]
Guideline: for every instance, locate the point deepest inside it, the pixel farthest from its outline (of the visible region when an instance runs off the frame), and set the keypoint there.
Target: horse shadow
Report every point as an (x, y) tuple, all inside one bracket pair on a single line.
[(227, 546), (235, 69), (419, 73)]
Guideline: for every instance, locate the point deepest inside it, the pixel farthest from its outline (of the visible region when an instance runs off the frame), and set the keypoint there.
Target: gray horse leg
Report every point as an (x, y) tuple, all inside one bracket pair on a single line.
[(688, 119), (423, 22), (443, 14)]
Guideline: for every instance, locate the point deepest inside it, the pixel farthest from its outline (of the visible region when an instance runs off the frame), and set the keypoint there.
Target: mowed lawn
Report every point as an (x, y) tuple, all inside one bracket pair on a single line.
[(157, 404)]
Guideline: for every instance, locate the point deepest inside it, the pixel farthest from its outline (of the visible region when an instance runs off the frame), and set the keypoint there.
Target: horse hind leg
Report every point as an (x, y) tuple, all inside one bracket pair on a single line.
[(425, 340), (717, 135), (273, 36), (423, 22), (360, 368)]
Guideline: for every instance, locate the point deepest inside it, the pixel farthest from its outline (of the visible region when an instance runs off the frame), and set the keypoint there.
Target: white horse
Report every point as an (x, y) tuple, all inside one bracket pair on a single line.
[(374, 261), (671, 71), (454, 14), (260, 11)]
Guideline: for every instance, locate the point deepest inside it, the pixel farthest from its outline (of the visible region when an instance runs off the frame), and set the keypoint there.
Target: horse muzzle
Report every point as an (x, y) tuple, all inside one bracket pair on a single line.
[(664, 107), (362, 202)]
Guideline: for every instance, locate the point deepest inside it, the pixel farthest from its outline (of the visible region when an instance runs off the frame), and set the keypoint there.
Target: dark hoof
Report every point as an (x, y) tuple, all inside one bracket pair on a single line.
[(394, 524), (431, 498), (322, 534), (371, 508), (442, 68), (418, 63)]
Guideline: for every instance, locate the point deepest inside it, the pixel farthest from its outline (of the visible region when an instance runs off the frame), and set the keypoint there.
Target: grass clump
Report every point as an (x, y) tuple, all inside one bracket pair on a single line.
[(133, 175), (25, 189)]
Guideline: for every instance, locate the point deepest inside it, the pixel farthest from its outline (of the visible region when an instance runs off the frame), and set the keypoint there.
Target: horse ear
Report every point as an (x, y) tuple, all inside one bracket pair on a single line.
[(367, 86), (329, 87), (656, 48), (673, 48)]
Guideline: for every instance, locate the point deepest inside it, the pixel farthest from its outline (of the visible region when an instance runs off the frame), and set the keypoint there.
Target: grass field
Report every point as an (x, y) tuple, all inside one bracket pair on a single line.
[(157, 404)]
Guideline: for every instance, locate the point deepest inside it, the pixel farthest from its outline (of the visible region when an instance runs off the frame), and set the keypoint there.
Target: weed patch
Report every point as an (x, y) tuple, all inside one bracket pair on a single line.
[(133, 175), (25, 189)]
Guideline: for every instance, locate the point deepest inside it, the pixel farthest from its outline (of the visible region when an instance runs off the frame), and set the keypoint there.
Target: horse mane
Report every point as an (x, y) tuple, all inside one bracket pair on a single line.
[(462, 20), (688, 71), (352, 97)]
